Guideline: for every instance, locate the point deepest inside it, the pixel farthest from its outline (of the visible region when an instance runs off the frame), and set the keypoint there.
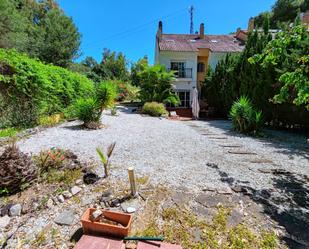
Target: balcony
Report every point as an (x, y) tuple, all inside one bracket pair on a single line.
[(185, 73)]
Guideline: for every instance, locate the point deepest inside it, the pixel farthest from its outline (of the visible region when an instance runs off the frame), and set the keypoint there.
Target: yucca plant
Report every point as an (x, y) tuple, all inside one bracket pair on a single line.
[(244, 117), (88, 110), (105, 159), (106, 94)]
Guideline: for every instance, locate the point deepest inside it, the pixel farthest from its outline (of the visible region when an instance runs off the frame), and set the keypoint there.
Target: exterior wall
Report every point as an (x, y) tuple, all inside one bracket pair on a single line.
[(166, 57), (214, 58)]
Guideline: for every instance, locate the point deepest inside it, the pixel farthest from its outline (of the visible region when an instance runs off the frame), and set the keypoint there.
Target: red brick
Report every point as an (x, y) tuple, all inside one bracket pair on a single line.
[(93, 242)]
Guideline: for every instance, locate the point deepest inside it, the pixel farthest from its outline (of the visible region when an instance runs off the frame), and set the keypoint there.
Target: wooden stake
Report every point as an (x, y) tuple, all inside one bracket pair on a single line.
[(132, 181)]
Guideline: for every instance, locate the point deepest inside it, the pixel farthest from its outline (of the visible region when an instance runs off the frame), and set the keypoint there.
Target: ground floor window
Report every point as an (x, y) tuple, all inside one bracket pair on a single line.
[(184, 97)]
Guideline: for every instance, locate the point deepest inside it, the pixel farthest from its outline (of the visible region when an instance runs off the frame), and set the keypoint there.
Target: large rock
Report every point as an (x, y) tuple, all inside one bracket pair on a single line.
[(15, 210), (67, 218), (4, 221), (75, 190), (60, 198), (66, 194)]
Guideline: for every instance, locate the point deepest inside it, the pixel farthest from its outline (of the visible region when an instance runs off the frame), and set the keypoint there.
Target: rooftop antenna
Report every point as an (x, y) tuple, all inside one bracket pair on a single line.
[(191, 9)]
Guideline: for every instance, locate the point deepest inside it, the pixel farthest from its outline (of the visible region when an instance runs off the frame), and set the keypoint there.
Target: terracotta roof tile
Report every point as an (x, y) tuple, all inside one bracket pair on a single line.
[(192, 43)]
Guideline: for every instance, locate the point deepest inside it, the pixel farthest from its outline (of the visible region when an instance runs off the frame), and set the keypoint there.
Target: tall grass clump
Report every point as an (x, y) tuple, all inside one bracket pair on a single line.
[(244, 117)]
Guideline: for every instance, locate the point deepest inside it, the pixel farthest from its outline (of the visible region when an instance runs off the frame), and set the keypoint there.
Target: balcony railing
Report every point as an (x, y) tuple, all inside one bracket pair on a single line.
[(182, 72)]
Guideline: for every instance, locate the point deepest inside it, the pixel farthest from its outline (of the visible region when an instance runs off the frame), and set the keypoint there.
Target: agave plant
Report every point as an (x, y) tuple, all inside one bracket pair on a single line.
[(17, 170), (244, 117), (105, 159)]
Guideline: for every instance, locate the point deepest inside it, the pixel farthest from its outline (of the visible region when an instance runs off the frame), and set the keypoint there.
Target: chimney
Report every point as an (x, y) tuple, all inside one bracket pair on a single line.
[(161, 26), (202, 31), (251, 24), (160, 30)]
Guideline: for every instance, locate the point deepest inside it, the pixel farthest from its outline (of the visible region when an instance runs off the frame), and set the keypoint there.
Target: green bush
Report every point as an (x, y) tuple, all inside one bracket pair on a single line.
[(156, 84), (88, 110), (9, 132), (30, 89), (106, 93), (244, 117), (154, 109)]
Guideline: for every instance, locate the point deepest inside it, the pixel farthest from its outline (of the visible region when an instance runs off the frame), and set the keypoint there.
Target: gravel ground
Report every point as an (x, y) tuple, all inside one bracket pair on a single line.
[(176, 153)]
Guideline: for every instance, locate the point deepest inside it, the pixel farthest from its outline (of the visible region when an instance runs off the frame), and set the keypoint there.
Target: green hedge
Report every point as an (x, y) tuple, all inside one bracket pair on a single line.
[(30, 89)]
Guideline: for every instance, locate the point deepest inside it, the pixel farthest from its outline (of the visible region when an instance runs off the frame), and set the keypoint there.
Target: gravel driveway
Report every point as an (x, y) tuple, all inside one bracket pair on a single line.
[(191, 154)]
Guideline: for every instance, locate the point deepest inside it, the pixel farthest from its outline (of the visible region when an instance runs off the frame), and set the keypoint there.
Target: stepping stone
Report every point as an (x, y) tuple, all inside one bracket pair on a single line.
[(213, 200), (261, 161), (241, 152), (67, 218), (230, 146), (94, 242)]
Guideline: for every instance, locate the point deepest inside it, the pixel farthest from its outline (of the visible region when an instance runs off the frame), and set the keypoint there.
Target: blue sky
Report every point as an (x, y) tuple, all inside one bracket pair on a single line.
[(130, 26)]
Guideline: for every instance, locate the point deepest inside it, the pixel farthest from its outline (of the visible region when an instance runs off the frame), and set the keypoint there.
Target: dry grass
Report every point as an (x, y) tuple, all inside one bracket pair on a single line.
[(180, 225)]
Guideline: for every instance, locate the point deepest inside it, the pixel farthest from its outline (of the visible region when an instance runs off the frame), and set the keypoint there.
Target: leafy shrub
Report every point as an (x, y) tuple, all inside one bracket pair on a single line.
[(244, 117), (9, 132), (50, 120), (17, 170), (106, 93), (30, 89), (88, 110), (50, 159), (156, 84), (132, 93), (154, 109)]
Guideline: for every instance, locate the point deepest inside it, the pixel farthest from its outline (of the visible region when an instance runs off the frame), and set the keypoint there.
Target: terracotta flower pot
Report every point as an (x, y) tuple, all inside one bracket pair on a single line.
[(101, 228)]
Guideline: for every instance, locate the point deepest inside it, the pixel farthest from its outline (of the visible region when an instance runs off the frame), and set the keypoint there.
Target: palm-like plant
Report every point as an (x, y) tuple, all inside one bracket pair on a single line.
[(244, 117), (105, 159)]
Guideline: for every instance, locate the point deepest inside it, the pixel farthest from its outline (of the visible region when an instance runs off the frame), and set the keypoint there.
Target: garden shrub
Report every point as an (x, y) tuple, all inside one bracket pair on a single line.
[(51, 120), (272, 72), (106, 93), (156, 84), (244, 117), (88, 110), (30, 89), (154, 109)]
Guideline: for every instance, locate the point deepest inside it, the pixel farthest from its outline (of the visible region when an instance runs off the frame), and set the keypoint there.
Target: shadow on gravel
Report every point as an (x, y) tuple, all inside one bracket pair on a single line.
[(286, 142), (74, 127), (287, 203), (290, 208)]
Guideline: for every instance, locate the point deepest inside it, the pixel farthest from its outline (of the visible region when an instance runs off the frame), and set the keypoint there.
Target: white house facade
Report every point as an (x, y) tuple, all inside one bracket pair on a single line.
[(190, 55)]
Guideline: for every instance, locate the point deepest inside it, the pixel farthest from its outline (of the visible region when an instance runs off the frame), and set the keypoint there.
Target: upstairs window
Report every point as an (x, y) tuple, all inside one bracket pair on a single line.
[(201, 67), (179, 68)]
